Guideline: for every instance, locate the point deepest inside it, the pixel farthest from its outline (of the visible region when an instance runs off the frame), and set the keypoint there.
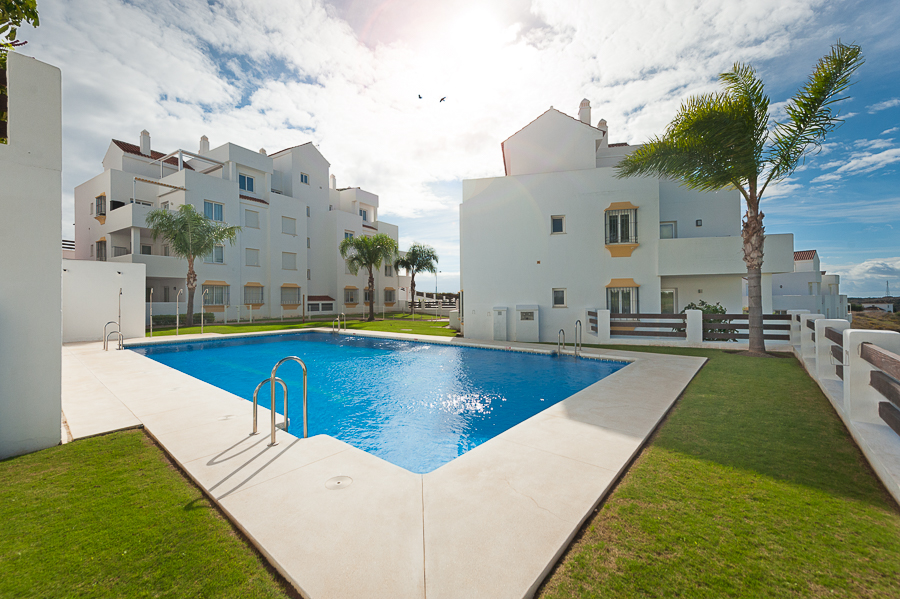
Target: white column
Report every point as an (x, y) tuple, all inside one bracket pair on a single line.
[(824, 360), (694, 327), (795, 326), (603, 326), (135, 240), (807, 338), (860, 399)]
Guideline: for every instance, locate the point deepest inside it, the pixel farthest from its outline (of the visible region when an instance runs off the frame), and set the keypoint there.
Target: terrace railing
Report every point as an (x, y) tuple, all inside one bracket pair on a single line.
[(886, 380), (722, 327), (644, 325)]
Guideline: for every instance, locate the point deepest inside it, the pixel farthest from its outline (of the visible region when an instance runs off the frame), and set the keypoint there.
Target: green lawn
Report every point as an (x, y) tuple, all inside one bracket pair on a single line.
[(413, 327), (751, 488), (110, 517)]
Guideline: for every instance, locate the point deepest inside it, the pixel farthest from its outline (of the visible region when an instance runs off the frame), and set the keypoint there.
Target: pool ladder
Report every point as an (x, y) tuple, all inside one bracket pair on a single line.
[(272, 380), (561, 340), (337, 322), (106, 336)]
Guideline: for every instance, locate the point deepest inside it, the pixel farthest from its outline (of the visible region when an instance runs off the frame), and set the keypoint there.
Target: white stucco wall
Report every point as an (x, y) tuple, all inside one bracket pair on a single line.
[(31, 195), (552, 142), (91, 299)]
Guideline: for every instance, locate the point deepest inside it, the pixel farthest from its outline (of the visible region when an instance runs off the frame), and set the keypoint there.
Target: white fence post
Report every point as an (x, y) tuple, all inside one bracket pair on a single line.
[(694, 324), (807, 337), (824, 360), (603, 326), (795, 326), (860, 399)]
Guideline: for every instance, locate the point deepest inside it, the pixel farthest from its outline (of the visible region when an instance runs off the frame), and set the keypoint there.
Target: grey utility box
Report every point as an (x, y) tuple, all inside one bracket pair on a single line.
[(499, 313), (528, 324)]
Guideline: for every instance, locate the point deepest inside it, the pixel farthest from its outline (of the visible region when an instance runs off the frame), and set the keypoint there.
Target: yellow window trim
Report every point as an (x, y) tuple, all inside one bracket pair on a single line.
[(290, 285), (253, 284), (216, 283), (621, 250), (621, 206), (621, 283)]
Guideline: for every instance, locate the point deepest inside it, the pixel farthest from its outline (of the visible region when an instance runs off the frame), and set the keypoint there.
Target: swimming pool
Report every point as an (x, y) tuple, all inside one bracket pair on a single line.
[(417, 405)]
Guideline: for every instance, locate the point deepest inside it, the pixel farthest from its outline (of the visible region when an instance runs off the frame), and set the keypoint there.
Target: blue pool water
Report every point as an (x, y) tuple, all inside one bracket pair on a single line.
[(417, 405)]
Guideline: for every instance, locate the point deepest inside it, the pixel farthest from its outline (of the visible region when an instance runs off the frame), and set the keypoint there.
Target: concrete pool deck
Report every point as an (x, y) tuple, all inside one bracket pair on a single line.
[(491, 523)]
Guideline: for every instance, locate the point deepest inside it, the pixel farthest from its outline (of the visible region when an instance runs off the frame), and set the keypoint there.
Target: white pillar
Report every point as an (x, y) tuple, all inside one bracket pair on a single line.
[(603, 326), (860, 399), (795, 325), (807, 336), (694, 327), (824, 360)]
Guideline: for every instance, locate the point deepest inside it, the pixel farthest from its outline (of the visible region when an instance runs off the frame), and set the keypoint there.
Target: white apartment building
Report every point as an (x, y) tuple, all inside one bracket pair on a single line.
[(808, 288), (292, 217), (559, 234)]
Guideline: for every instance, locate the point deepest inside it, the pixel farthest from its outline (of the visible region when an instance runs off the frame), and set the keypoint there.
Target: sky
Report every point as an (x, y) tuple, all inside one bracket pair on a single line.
[(347, 75)]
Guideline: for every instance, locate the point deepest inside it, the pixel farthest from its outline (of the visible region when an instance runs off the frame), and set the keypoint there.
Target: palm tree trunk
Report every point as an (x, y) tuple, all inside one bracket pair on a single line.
[(412, 287), (371, 296), (752, 234), (191, 287)]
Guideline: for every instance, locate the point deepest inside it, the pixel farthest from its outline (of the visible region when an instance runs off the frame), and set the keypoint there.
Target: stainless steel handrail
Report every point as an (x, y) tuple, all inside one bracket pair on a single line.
[(305, 387), (105, 336), (336, 323), (344, 316), (203, 308), (579, 337), (177, 315), (562, 334), (121, 340), (255, 402)]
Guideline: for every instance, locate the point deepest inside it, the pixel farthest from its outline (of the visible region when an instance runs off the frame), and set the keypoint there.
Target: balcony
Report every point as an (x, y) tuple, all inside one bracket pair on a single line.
[(157, 266), (127, 216), (721, 255)]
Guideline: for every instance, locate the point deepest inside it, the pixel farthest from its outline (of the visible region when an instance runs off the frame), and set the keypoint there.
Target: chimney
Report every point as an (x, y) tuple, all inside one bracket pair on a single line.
[(604, 141), (584, 112), (333, 182), (204, 145), (262, 151), (145, 142)]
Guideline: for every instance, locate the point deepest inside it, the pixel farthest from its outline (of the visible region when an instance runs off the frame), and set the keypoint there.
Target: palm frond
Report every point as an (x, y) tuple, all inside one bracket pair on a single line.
[(810, 112)]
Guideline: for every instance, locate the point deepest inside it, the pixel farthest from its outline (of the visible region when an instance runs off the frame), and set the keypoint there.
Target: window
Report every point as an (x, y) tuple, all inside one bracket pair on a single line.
[(252, 257), (557, 225), (559, 298), (217, 256), (145, 250), (92, 208), (253, 294), (348, 234), (165, 250), (367, 296), (92, 250), (307, 243), (312, 307), (290, 296), (288, 225), (148, 294), (101, 205), (164, 205), (251, 219), (351, 296), (304, 178), (213, 210), (245, 182), (289, 262), (389, 296), (622, 300), (364, 214), (621, 226), (166, 293), (101, 251), (667, 301), (307, 211), (308, 276), (388, 271), (327, 307), (667, 230), (216, 295)]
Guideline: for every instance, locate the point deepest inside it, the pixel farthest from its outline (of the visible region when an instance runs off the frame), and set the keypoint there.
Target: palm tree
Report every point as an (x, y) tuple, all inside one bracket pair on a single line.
[(723, 141), (190, 235), (419, 258), (369, 253)]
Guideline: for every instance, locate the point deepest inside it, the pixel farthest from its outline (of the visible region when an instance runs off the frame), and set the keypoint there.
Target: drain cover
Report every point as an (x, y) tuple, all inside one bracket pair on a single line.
[(338, 482)]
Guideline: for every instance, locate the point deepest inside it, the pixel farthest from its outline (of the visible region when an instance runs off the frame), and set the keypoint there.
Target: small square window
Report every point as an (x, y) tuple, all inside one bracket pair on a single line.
[(145, 250), (288, 225), (699, 223), (289, 262), (557, 224), (252, 257), (364, 214), (304, 178), (217, 256), (307, 211), (559, 298), (667, 230), (213, 211), (245, 182), (251, 219)]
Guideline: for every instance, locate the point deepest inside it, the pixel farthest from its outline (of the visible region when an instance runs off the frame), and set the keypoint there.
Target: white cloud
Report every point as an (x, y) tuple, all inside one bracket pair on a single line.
[(891, 130), (883, 105), (874, 144), (867, 278)]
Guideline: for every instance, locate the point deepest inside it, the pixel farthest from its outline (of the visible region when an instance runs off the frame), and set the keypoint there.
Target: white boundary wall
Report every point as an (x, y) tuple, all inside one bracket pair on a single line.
[(91, 299), (31, 196)]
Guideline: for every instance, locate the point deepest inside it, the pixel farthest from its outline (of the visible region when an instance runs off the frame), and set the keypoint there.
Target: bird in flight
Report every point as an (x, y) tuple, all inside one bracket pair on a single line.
[(420, 96), (442, 99)]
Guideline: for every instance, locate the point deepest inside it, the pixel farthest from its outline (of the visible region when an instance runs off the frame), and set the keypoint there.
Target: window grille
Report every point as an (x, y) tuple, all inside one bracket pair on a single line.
[(622, 300), (253, 295), (621, 226), (389, 295), (351, 296), (218, 295), (290, 295)]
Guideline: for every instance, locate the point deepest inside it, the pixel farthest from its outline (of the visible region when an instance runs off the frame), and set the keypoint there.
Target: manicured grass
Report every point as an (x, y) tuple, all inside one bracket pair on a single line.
[(110, 517), (751, 488), (413, 327)]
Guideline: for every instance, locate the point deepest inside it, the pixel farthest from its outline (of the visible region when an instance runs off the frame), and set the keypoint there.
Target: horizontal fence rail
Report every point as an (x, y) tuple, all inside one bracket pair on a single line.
[(592, 321), (886, 381), (835, 336), (721, 327), (625, 325)]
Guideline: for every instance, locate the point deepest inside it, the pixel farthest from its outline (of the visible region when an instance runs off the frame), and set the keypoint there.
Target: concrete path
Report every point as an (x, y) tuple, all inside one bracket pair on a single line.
[(339, 522)]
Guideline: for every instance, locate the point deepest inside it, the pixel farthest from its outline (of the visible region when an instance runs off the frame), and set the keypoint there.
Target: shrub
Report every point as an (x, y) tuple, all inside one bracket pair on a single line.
[(708, 308), (856, 308)]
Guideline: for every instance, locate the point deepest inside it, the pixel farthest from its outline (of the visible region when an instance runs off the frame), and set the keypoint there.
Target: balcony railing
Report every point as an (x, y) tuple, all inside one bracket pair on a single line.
[(120, 251)]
